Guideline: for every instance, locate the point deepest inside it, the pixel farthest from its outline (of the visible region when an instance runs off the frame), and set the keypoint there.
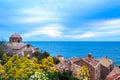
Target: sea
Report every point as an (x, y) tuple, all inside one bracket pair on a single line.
[(80, 49)]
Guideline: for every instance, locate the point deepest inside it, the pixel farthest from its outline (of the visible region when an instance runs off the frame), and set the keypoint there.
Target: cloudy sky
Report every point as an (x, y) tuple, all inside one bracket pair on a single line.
[(61, 20)]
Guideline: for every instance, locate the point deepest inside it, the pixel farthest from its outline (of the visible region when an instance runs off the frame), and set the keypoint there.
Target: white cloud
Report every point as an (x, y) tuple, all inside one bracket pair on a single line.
[(86, 35), (38, 11), (97, 29), (49, 10), (35, 19), (36, 15), (108, 24), (106, 28), (81, 36), (52, 30), (29, 11)]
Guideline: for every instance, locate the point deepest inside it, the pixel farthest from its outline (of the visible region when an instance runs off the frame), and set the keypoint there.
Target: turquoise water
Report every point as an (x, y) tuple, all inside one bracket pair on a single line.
[(81, 49)]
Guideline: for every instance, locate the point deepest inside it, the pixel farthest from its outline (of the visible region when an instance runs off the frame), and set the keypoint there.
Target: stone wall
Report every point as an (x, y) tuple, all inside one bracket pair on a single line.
[(93, 74)]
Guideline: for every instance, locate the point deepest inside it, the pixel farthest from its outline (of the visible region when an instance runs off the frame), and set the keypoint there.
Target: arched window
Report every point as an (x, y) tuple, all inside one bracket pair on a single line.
[(18, 41)]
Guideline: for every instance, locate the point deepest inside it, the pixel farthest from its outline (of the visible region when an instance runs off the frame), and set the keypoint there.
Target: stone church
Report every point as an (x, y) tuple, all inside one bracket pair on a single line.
[(20, 48)]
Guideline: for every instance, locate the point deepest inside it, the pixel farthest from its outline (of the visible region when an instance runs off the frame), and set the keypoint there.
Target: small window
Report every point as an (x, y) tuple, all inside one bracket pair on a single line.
[(96, 71), (28, 46), (18, 41)]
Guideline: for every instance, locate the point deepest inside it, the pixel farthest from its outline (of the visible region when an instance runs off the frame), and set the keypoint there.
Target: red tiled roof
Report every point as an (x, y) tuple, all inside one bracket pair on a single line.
[(73, 59), (59, 56), (90, 60), (66, 66), (114, 77), (105, 61), (63, 66), (115, 73)]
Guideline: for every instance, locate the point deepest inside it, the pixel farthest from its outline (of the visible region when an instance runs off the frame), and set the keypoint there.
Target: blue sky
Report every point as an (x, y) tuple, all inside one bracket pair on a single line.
[(61, 20)]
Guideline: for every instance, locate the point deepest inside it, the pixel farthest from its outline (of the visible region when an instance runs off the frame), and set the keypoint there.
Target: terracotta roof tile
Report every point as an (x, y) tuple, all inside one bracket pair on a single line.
[(73, 59), (114, 77), (105, 61), (66, 66), (114, 72), (59, 56), (90, 60), (63, 66)]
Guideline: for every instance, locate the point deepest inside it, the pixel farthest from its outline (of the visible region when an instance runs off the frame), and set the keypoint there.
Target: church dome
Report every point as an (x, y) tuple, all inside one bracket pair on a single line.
[(15, 38), (16, 35)]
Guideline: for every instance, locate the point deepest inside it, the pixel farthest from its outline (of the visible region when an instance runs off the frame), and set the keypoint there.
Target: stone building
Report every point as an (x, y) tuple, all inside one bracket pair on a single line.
[(20, 48), (60, 58), (92, 64), (15, 38), (99, 68), (107, 66), (114, 74), (67, 64)]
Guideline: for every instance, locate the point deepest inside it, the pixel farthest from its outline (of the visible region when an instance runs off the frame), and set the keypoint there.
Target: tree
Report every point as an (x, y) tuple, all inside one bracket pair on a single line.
[(41, 55), (2, 48), (47, 64), (22, 68), (83, 73), (56, 61), (65, 75), (5, 49)]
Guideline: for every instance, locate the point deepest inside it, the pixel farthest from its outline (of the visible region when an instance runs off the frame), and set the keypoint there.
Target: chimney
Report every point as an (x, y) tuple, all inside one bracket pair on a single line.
[(70, 65), (106, 57), (89, 55)]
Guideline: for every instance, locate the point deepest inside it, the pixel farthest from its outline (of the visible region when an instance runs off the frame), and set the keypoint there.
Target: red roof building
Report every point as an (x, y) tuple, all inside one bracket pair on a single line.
[(114, 74), (92, 64)]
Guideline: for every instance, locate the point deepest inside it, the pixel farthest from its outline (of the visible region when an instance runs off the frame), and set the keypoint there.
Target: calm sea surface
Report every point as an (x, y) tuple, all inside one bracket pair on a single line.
[(81, 49)]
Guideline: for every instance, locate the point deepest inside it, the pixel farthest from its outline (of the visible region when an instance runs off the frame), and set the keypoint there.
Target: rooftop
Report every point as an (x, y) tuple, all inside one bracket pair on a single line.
[(105, 61), (73, 59), (15, 35), (59, 56), (114, 74), (90, 60)]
